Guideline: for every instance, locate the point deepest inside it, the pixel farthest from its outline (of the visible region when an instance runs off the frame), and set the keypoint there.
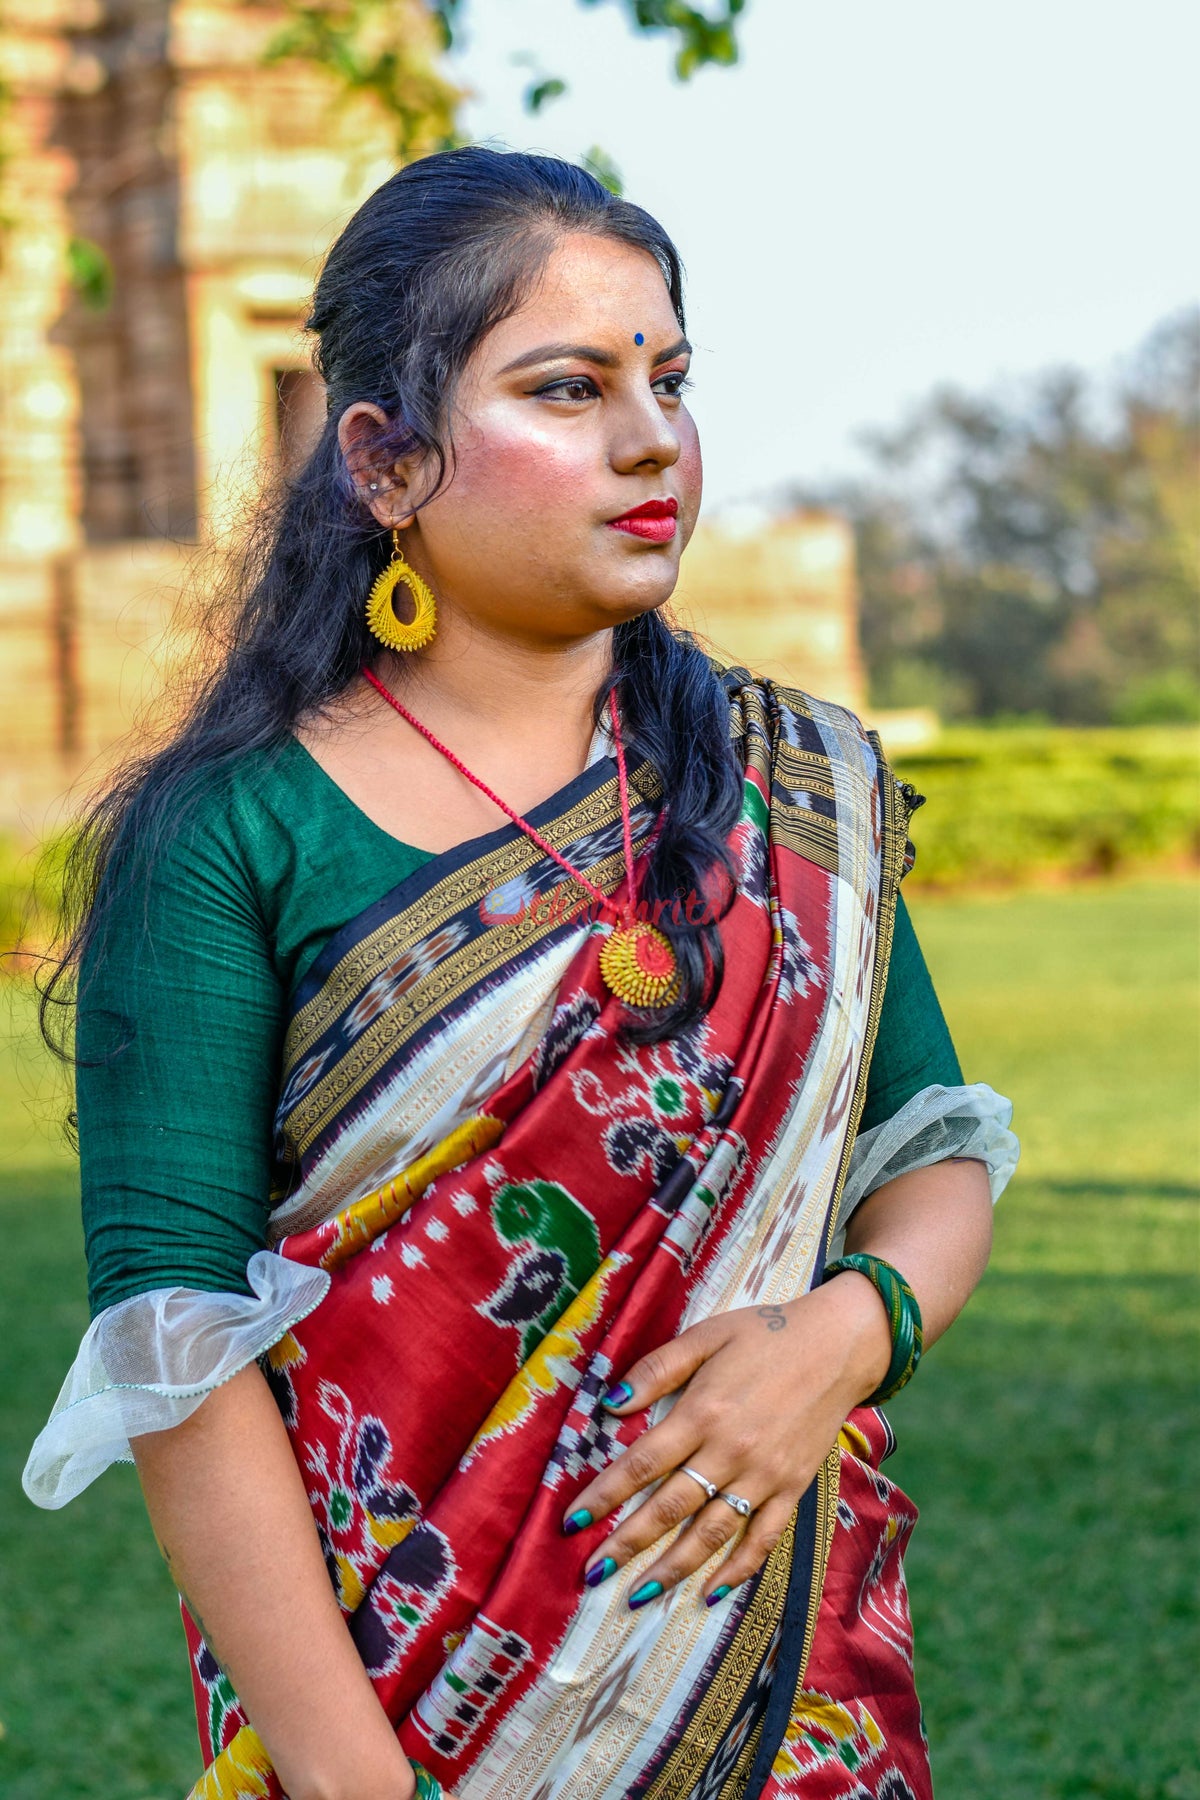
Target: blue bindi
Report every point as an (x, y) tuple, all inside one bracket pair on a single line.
[(638, 338)]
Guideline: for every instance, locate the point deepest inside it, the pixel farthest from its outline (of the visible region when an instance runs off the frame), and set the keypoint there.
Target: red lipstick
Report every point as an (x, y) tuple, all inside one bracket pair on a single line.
[(653, 520)]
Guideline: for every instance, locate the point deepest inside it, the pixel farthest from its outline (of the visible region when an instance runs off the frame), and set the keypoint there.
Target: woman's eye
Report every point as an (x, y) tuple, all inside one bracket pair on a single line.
[(676, 383), (574, 387)]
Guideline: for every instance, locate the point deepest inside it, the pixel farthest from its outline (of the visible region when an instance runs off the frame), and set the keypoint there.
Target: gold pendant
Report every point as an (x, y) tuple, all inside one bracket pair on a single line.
[(638, 964)]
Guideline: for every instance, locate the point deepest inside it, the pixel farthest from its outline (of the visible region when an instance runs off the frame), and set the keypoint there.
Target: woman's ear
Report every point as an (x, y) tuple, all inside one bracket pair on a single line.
[(387, 488)]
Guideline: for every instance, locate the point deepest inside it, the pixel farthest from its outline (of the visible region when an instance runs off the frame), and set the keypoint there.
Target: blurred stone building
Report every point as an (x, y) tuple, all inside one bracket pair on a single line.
[(143, 398)]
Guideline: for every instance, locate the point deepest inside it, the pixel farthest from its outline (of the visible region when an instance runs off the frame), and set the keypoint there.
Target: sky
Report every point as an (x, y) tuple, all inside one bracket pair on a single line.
[(883, 195)]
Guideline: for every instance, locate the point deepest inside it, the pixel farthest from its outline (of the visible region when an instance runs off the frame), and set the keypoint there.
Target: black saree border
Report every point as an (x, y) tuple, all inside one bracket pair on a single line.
[(895, 813), (808, 1542), (430, 922), (783, 1610), (819, 1507), (804, 1592), (447, 867), (716, 1713)]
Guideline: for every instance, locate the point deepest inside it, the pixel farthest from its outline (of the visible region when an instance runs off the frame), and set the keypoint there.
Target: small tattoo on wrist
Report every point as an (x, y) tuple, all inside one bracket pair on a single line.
[(775, 1317)]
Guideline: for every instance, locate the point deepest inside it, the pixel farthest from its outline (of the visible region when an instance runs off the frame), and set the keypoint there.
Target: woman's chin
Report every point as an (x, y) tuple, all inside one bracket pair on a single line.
[(643, 581), (632, 603)]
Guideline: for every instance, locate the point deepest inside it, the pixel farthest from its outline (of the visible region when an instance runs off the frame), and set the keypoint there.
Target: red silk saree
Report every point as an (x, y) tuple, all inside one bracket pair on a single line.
[(512, 1206)]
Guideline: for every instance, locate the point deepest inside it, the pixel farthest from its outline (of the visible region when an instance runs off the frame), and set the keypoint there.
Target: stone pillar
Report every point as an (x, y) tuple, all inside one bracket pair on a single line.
[(781, 596), (39, 403), (139, 478)]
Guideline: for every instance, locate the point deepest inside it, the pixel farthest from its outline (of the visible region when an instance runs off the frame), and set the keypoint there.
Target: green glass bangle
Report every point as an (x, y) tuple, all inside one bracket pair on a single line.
[(904, 1318), (428, 1786)]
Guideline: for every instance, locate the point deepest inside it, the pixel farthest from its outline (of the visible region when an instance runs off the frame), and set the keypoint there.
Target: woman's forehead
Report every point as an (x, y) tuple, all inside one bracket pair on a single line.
[(590, 285)]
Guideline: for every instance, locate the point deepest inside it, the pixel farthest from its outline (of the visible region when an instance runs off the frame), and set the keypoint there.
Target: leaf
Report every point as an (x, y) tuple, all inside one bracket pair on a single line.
[(90, 273), (600, 164), (384, 50), (539, 92)]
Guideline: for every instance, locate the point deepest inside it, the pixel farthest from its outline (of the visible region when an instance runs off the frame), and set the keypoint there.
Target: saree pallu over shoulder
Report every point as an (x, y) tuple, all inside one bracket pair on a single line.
[(513, 1205)]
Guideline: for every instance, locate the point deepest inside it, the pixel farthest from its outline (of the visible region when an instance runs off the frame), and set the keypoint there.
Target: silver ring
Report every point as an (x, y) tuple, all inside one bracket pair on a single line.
[(710, 1488), (738, 1504)]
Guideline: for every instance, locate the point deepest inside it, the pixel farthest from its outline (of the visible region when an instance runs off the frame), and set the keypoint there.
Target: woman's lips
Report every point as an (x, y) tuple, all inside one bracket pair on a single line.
[(654, 521)]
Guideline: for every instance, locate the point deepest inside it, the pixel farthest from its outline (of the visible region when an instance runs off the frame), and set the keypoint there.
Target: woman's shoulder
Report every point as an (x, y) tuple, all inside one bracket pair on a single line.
[(222, 829), (262, 788)]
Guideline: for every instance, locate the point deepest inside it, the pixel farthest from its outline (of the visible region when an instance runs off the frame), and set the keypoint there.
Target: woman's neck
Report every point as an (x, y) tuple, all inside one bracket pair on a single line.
[(523, 725), (481, 690)]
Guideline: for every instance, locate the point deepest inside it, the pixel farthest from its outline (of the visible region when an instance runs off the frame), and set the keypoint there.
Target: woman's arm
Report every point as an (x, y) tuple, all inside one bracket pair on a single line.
[(934, 1225), (227, 1502), (766, 1388)]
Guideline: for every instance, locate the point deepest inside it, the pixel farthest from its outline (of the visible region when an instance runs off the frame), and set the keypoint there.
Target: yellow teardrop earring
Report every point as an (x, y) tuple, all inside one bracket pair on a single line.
[(381, 614)]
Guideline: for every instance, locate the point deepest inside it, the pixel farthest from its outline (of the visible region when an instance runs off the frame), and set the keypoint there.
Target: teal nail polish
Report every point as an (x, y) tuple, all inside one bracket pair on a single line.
[(576, 1521), (718, 1594), (617, 1396), (601, 1572), (649, 1590)]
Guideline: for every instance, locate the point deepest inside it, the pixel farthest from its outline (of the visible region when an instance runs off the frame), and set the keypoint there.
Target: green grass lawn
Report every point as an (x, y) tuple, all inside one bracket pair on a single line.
[(1049, 1440)]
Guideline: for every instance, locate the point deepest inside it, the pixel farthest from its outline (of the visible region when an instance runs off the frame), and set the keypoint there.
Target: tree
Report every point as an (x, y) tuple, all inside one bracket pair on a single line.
[(1040, 554), (371, 46)]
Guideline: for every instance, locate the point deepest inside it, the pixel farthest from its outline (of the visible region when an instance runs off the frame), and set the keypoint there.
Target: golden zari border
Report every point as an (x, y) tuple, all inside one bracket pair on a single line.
[(456, 974), (828, 1482), (896, 813), (789, 769), (829, 1479), (712, 1718), (463, 888), (808, 834)]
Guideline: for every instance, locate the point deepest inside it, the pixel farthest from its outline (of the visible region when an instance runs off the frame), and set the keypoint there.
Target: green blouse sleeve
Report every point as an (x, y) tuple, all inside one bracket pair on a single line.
[(913, 1047), (178, 1043)]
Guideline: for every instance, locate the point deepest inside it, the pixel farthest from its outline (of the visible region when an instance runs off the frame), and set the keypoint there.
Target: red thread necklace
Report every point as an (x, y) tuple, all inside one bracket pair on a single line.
[(636, 959)]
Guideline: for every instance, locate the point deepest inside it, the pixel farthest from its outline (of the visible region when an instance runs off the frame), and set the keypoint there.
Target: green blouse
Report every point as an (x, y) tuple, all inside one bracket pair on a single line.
[(182, 1012)]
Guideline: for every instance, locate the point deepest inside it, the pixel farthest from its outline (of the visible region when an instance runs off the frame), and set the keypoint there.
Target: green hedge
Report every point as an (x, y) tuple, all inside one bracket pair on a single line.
[(1016, 804), (29, 900), (1005, 806)]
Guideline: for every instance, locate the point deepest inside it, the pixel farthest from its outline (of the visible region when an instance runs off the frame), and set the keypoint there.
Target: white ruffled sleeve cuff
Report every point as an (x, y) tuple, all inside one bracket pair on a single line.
[(146, 1364), (936, 1124)]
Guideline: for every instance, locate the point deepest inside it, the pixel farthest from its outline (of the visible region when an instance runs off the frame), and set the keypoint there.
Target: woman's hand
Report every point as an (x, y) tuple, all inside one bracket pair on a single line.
[(765, 1392), (767, 1388)]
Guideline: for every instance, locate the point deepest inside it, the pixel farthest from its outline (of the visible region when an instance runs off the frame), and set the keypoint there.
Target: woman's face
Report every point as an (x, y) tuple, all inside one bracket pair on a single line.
[(568, 415)]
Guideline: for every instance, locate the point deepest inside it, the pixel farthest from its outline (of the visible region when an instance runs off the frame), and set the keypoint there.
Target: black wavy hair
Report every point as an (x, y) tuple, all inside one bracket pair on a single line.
[(438, 255)]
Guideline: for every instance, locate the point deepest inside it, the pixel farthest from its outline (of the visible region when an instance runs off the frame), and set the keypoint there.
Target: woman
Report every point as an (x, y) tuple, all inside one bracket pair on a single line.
[(459, 1194)]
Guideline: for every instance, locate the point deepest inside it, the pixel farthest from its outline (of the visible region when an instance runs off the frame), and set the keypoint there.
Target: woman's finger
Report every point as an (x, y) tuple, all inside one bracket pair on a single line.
[(764, 1529), (655, 1454), (666, 1369), (713, 1526)]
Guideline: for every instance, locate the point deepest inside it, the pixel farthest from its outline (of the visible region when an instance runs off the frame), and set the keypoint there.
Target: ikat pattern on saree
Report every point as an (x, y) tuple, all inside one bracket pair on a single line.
[(443, 1400), (842, 1743)]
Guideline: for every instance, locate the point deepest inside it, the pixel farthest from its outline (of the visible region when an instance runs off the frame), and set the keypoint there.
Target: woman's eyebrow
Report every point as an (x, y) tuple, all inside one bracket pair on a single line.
[(681, 347), (604, 359)]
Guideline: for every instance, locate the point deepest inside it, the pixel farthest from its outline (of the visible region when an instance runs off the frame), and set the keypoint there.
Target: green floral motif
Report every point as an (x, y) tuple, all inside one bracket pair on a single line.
[(669, 1096), (224, 1711), (560, 1253)]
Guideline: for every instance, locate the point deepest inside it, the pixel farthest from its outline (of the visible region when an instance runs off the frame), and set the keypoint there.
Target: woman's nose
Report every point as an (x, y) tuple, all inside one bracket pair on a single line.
[(646, 435)]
